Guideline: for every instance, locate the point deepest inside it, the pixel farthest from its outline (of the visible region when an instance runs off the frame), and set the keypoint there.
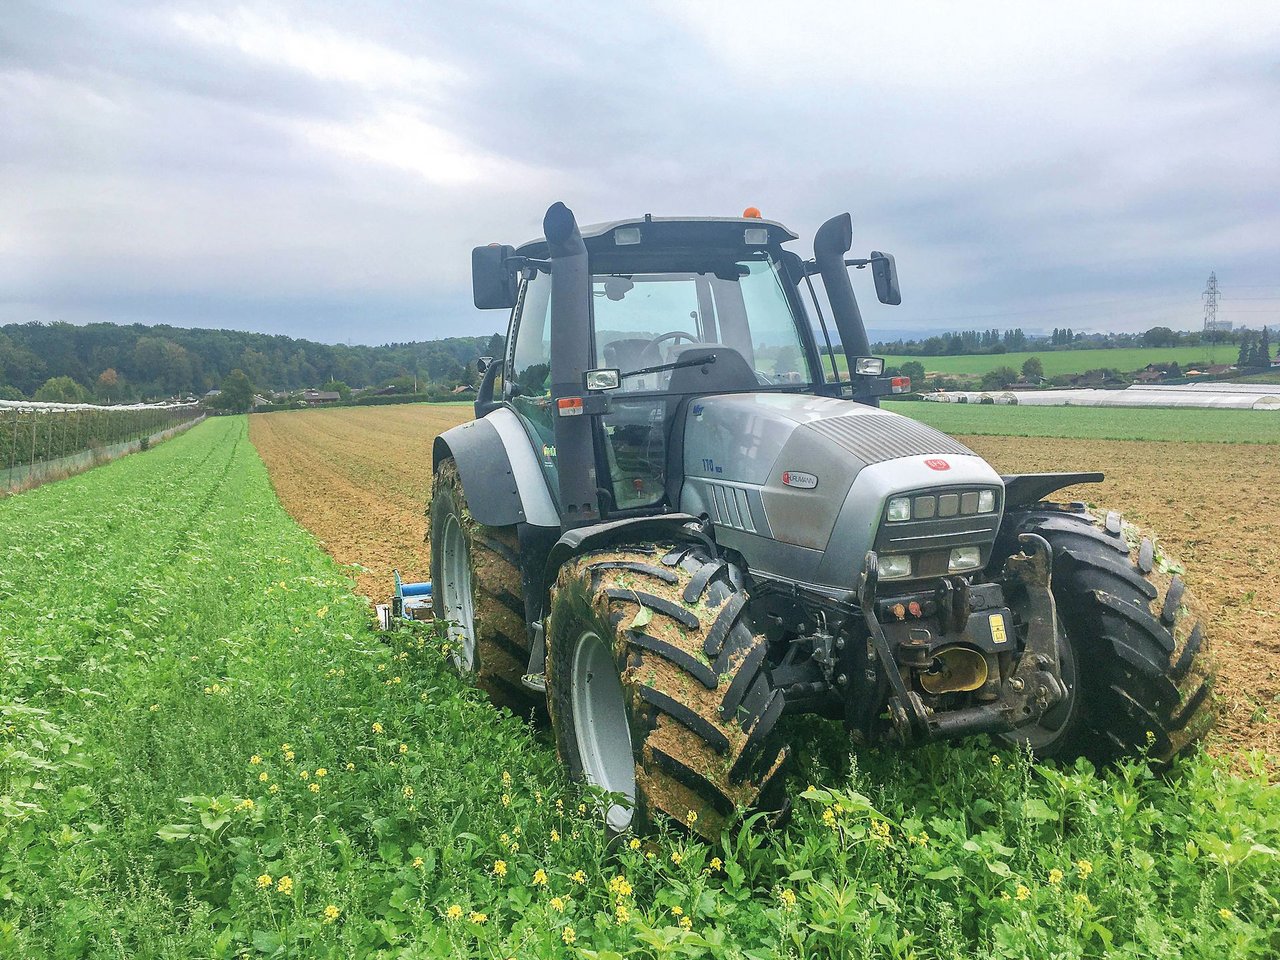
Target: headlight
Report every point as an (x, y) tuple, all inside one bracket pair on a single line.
[(986, 501), (900, 509), (894, 568), (965, 558)]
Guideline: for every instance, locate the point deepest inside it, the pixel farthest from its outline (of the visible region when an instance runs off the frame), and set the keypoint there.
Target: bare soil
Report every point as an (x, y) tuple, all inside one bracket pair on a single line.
[(359, 479)]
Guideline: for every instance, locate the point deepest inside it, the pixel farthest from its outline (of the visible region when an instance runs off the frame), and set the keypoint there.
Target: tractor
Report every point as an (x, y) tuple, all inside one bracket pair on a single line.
[(680, 515)]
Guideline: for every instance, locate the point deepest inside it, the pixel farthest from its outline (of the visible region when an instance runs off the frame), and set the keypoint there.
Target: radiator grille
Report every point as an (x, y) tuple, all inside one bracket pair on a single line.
[(875, 438)]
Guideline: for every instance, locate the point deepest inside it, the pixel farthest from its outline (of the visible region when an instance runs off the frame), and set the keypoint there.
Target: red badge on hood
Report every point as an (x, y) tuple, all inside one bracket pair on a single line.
[(937, 465)]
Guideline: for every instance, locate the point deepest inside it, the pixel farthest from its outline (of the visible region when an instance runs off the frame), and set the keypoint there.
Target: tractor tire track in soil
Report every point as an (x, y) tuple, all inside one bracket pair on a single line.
[(359, 479)]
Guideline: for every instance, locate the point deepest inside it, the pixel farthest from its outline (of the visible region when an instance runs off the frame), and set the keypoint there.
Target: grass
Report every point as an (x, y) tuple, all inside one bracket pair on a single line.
[(1057, 362), (206, 752), (1096, 423)]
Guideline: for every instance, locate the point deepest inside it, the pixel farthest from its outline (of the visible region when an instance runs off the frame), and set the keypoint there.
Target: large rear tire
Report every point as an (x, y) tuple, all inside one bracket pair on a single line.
[(477, 588), (658, 689), (1133, 653)]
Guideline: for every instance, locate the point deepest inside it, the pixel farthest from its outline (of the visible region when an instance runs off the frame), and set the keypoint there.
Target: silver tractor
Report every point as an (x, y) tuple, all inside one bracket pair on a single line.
[(680, 515)]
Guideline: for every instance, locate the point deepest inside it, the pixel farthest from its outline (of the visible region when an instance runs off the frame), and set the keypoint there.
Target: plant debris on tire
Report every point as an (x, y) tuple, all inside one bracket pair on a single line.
[(500, 654), (699, 706), (1142, 676)]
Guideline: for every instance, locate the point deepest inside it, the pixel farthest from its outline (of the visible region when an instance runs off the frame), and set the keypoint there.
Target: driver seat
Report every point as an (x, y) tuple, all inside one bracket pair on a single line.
[(624, 353)]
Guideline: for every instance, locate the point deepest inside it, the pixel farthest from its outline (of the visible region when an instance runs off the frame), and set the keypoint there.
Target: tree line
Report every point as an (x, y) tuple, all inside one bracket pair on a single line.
[(112, 363)]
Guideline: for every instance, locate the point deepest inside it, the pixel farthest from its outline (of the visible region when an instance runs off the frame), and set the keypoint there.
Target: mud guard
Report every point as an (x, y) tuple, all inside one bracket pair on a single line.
[(503, 482), (1024, 489), (673, 526)]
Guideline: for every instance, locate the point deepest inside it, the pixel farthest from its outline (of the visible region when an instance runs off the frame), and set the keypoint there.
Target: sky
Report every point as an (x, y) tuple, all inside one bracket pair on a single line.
[(323, 170)]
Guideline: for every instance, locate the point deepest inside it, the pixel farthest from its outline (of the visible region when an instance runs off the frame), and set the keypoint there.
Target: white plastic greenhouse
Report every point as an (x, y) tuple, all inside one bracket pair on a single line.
[(1227, 396)]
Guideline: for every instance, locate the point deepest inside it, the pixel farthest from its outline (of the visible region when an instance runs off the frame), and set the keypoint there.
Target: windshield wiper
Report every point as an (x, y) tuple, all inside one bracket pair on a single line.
[(676, 365)]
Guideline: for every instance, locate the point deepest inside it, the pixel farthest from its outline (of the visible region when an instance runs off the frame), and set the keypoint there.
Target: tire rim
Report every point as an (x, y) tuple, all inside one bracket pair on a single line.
[(1051, 725), (600, 726), (456, 595)]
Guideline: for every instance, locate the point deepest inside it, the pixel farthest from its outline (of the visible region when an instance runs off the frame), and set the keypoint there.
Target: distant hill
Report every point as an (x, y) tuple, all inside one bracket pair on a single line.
[(138, 361)]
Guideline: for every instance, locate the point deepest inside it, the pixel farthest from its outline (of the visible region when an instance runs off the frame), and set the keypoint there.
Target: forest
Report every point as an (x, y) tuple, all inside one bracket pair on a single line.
[(120, 363)]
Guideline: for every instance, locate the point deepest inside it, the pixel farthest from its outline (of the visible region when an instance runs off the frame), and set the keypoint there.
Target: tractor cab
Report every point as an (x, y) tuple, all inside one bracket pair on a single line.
[(667, 309)]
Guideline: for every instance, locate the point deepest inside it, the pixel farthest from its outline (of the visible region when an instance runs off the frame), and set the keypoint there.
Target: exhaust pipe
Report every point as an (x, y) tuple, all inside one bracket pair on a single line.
[(830, 244), (570, 360)]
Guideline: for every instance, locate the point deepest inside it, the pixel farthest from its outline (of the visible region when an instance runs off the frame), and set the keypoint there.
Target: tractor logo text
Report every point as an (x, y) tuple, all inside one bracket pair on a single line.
[(937, 465), (794, 478)]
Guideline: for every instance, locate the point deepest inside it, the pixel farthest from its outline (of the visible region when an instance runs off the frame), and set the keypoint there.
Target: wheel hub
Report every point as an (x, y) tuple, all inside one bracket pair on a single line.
[(456, 597)]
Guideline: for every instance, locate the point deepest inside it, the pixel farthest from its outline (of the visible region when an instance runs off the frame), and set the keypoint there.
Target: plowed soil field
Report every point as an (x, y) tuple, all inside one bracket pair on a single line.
[(359, 477)]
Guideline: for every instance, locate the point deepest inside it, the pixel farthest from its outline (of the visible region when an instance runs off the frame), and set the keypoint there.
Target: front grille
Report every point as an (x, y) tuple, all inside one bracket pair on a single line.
[(874, 438)]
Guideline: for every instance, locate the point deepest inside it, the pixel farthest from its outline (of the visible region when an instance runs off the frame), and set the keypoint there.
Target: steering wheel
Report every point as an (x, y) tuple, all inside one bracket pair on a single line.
[(651, 348)]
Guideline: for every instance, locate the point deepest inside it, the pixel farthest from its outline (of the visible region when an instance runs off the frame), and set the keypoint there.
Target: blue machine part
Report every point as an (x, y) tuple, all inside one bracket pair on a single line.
[(412, 601)]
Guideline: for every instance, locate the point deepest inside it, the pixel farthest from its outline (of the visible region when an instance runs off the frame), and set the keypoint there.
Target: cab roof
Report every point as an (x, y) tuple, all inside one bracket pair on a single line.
[(670, 232)]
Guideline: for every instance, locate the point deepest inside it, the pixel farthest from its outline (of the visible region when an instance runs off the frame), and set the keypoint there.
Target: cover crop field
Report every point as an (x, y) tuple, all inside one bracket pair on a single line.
[(1058, 362), (207, 752)]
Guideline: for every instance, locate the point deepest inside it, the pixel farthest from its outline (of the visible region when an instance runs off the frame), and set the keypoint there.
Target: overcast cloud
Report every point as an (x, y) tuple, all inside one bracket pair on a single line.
[(323, 170)]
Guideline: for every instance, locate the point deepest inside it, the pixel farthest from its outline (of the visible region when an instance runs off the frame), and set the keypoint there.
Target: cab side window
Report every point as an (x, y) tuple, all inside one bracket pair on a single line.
[(527, 386)]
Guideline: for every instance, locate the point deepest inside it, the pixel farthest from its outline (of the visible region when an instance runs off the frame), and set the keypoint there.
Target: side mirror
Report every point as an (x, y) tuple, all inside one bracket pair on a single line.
[(493, 285), (483, 364), (885, 272)]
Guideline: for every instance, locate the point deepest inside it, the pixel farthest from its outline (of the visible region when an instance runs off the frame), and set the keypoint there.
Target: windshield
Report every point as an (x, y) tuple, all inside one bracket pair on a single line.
[(645, 320)]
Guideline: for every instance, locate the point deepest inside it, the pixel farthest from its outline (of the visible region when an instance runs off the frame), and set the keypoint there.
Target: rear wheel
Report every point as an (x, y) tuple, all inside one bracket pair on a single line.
[(477, 588), (1133, 656), (658, 689)]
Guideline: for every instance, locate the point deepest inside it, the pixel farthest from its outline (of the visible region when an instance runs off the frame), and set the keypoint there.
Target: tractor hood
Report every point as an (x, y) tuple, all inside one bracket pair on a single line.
[(800, 486)]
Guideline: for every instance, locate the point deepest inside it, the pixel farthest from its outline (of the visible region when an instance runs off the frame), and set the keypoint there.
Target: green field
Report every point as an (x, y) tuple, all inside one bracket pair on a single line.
[(205, 751), (1096, 423), (1124, 359)]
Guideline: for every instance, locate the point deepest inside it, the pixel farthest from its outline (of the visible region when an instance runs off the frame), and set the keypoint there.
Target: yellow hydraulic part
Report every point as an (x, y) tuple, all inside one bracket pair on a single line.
[(955, 669)]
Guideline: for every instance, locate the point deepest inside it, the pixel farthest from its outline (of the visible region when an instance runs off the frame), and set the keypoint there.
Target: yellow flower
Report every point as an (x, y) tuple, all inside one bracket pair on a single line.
[(478, 917), (1022, 892), (1055, 876), (557, 904), (995, 760), (716, 863), (285, 884), (321, 771), (454, 912), (560, 805), (314, 788), (154, 708), (264, 881), (288, 755), (506, 779), (677, 910), (417, 863), (619, 886), (506, 799), (1085, 868), (377, 727), (829, 817), (568, 935), (331, 913), (555, 836), (578, 877), (1004, 895), (255, 760), (622, 914), (691, 817), (1082, 900), (1225, 914), (408, 793), (582, 808), (351, 766), (245, 804), (499, 868), (274, 788), (540, 877), (788, 898), (323, 612), (677, 857), (404, 748), (686, 923), (537, 797), (303, 774), (634, 844), (880, 832)]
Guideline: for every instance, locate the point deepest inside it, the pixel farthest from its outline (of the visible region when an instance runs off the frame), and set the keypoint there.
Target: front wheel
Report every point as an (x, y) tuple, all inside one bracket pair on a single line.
[(1133, 656), (657, 688)]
